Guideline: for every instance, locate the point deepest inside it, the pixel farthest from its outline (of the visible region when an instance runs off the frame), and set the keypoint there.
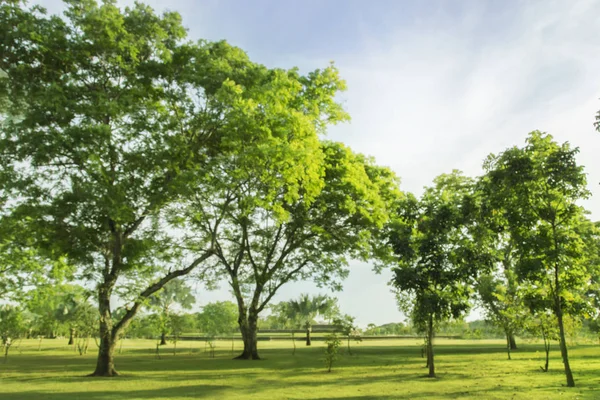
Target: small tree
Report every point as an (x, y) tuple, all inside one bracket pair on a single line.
[(175, 293), (178, 324), (332, 345), (85, 323), (345, 325)]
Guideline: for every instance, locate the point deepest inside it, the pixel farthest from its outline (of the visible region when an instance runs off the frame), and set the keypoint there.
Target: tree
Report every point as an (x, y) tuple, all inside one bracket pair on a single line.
[(44, 302), (306, 309), (503, 304), (345, 325), (85, 322), (178, 324), (332, 345), (12, 326), (537, 188), (174, 293), (218, 318), (117, 117), (269, 230), (438, 254), (72, 301)]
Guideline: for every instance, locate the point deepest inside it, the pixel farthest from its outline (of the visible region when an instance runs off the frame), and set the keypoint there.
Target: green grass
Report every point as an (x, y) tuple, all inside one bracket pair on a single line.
[(386, 369)]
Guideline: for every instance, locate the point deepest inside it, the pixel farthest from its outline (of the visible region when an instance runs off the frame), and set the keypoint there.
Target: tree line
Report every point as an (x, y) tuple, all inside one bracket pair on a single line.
[(132, 156)]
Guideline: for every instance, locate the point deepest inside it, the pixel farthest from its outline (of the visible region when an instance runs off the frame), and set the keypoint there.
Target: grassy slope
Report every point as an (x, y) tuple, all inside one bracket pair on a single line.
[(377, 370)]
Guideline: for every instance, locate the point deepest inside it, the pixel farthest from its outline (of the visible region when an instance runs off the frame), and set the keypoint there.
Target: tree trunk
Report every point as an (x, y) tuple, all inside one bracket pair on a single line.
[(308, 330), (294, 343), (547, 348), (430, 362), (248, 328), (508, 345), (105, 365), (563, 346), (513, 343), (559, 314), (71, 335), (163, 339)]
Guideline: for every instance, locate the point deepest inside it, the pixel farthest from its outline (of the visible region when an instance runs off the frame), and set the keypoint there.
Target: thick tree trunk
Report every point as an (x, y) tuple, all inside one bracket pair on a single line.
[(248, 328), (105, 366), (513, 343), (163, 339), (71, 336), (563, 346), (430, 361), (508, 345), (308, 330)]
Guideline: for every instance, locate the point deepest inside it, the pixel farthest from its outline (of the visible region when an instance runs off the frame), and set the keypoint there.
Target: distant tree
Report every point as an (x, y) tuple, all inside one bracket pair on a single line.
[(72, 307), (438, 254), (12, 326), (284, 317), (173, 294), (537, 189), (307, 308), (218, 318), (178, 324), (84, 322), (45, 303)]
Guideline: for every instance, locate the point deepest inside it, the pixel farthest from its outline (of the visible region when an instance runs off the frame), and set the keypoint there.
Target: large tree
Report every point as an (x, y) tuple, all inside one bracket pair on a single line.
[(537, 189), (439, 254), (112, 116), (297, 210)]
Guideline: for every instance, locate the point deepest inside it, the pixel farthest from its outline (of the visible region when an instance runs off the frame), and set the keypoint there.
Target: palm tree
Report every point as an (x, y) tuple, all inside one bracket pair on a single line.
[(307, 308)]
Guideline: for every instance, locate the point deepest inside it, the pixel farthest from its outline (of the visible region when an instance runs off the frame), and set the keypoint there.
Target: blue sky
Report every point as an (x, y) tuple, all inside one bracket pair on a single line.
[(432, 85)]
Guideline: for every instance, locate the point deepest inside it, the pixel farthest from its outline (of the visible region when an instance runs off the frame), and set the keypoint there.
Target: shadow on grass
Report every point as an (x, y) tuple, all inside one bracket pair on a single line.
[(191, 391)]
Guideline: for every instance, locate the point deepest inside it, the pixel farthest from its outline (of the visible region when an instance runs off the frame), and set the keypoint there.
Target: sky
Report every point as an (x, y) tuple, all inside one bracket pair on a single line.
[(432, 86)]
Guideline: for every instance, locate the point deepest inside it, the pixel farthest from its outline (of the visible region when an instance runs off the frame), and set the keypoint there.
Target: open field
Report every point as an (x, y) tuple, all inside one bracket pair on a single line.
[(377, 370)]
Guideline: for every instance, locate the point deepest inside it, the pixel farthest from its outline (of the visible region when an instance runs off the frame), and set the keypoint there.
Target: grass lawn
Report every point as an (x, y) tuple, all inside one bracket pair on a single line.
[(385, 369)]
